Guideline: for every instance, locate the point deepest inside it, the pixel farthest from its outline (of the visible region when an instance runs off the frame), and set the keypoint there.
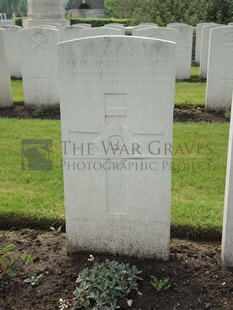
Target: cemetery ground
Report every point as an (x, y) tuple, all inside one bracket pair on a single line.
[(196, 277), (35, 200)]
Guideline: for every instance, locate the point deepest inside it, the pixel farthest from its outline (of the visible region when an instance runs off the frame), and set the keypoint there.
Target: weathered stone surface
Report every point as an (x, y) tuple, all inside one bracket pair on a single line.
[(220, 69), (183, 50), (40, 66), (198, 41), (162, 33), (12, 37), (205, 49), (227, 241), (117, 95), (5, 82)]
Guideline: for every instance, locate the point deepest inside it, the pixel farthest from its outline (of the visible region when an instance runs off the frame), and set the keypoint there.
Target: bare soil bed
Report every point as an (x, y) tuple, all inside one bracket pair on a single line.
[(198, 280), (181, 113)]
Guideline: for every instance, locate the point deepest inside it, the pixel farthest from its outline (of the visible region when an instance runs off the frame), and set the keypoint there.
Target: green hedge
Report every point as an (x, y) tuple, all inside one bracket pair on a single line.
[(19, 21), (99, 22), (95, 22)]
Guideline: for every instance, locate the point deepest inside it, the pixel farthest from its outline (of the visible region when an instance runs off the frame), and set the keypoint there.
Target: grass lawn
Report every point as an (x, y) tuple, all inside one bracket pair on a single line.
[(193, 93), (197, 192), (195, 71), (17, 91)]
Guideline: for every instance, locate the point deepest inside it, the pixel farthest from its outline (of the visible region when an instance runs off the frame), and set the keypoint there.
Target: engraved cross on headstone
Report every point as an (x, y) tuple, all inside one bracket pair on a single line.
[(115, 136)]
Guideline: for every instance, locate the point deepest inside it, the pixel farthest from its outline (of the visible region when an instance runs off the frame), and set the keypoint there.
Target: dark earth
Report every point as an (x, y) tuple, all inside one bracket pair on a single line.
[(197, 278), (182, 113)]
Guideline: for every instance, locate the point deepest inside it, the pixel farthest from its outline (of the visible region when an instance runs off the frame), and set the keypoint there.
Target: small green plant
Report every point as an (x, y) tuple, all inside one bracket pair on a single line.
[(101, 286), (160, 285), (37, 112), (186, 105), (33, 280), (8, 260), (28, 258), (227, 115)]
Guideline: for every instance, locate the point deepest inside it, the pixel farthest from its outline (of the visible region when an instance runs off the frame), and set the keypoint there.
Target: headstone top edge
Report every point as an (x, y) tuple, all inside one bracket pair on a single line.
[(125, 38)]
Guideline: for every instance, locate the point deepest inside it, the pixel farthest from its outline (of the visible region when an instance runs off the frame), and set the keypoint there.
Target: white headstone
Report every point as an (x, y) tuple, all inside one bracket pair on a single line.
[(71, 32), (176, 24), (98, 31), (6, 22), (116, 26), (205, 49), (40, 66), (198, 41), (148, 24), (227, 241), (163, 33), (220, 69), (135, 29), (183, 50), (12, 36), (117, 93), (82, 25), (5, 81)]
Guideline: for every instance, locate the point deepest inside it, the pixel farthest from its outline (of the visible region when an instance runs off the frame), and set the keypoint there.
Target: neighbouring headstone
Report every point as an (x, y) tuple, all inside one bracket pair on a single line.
[(183, 50), (6, 22), (117, 99), (12, 37), (148, 25), (40, 66), (5, 81), (162, 33), (71, 33), (220, 69), (45, 12), (98, 31), (135, 29), (82, 25), (176, 24), (198, 41), (116, 26), (204, 56), (227, 241)]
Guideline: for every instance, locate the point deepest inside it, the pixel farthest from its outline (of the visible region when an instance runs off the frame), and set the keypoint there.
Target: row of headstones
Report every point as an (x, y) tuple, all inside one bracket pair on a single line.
[(181, 34), (219, 82), (3, 16), (38, 46), (5, 21), (214, 53), (121, 211)]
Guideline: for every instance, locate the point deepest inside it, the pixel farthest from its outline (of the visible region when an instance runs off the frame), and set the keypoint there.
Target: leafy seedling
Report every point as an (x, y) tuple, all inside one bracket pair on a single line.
[(160, 285)]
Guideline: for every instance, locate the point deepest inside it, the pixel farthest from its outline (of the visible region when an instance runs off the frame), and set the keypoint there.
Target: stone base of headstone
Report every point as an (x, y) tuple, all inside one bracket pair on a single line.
[(37, 22)]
